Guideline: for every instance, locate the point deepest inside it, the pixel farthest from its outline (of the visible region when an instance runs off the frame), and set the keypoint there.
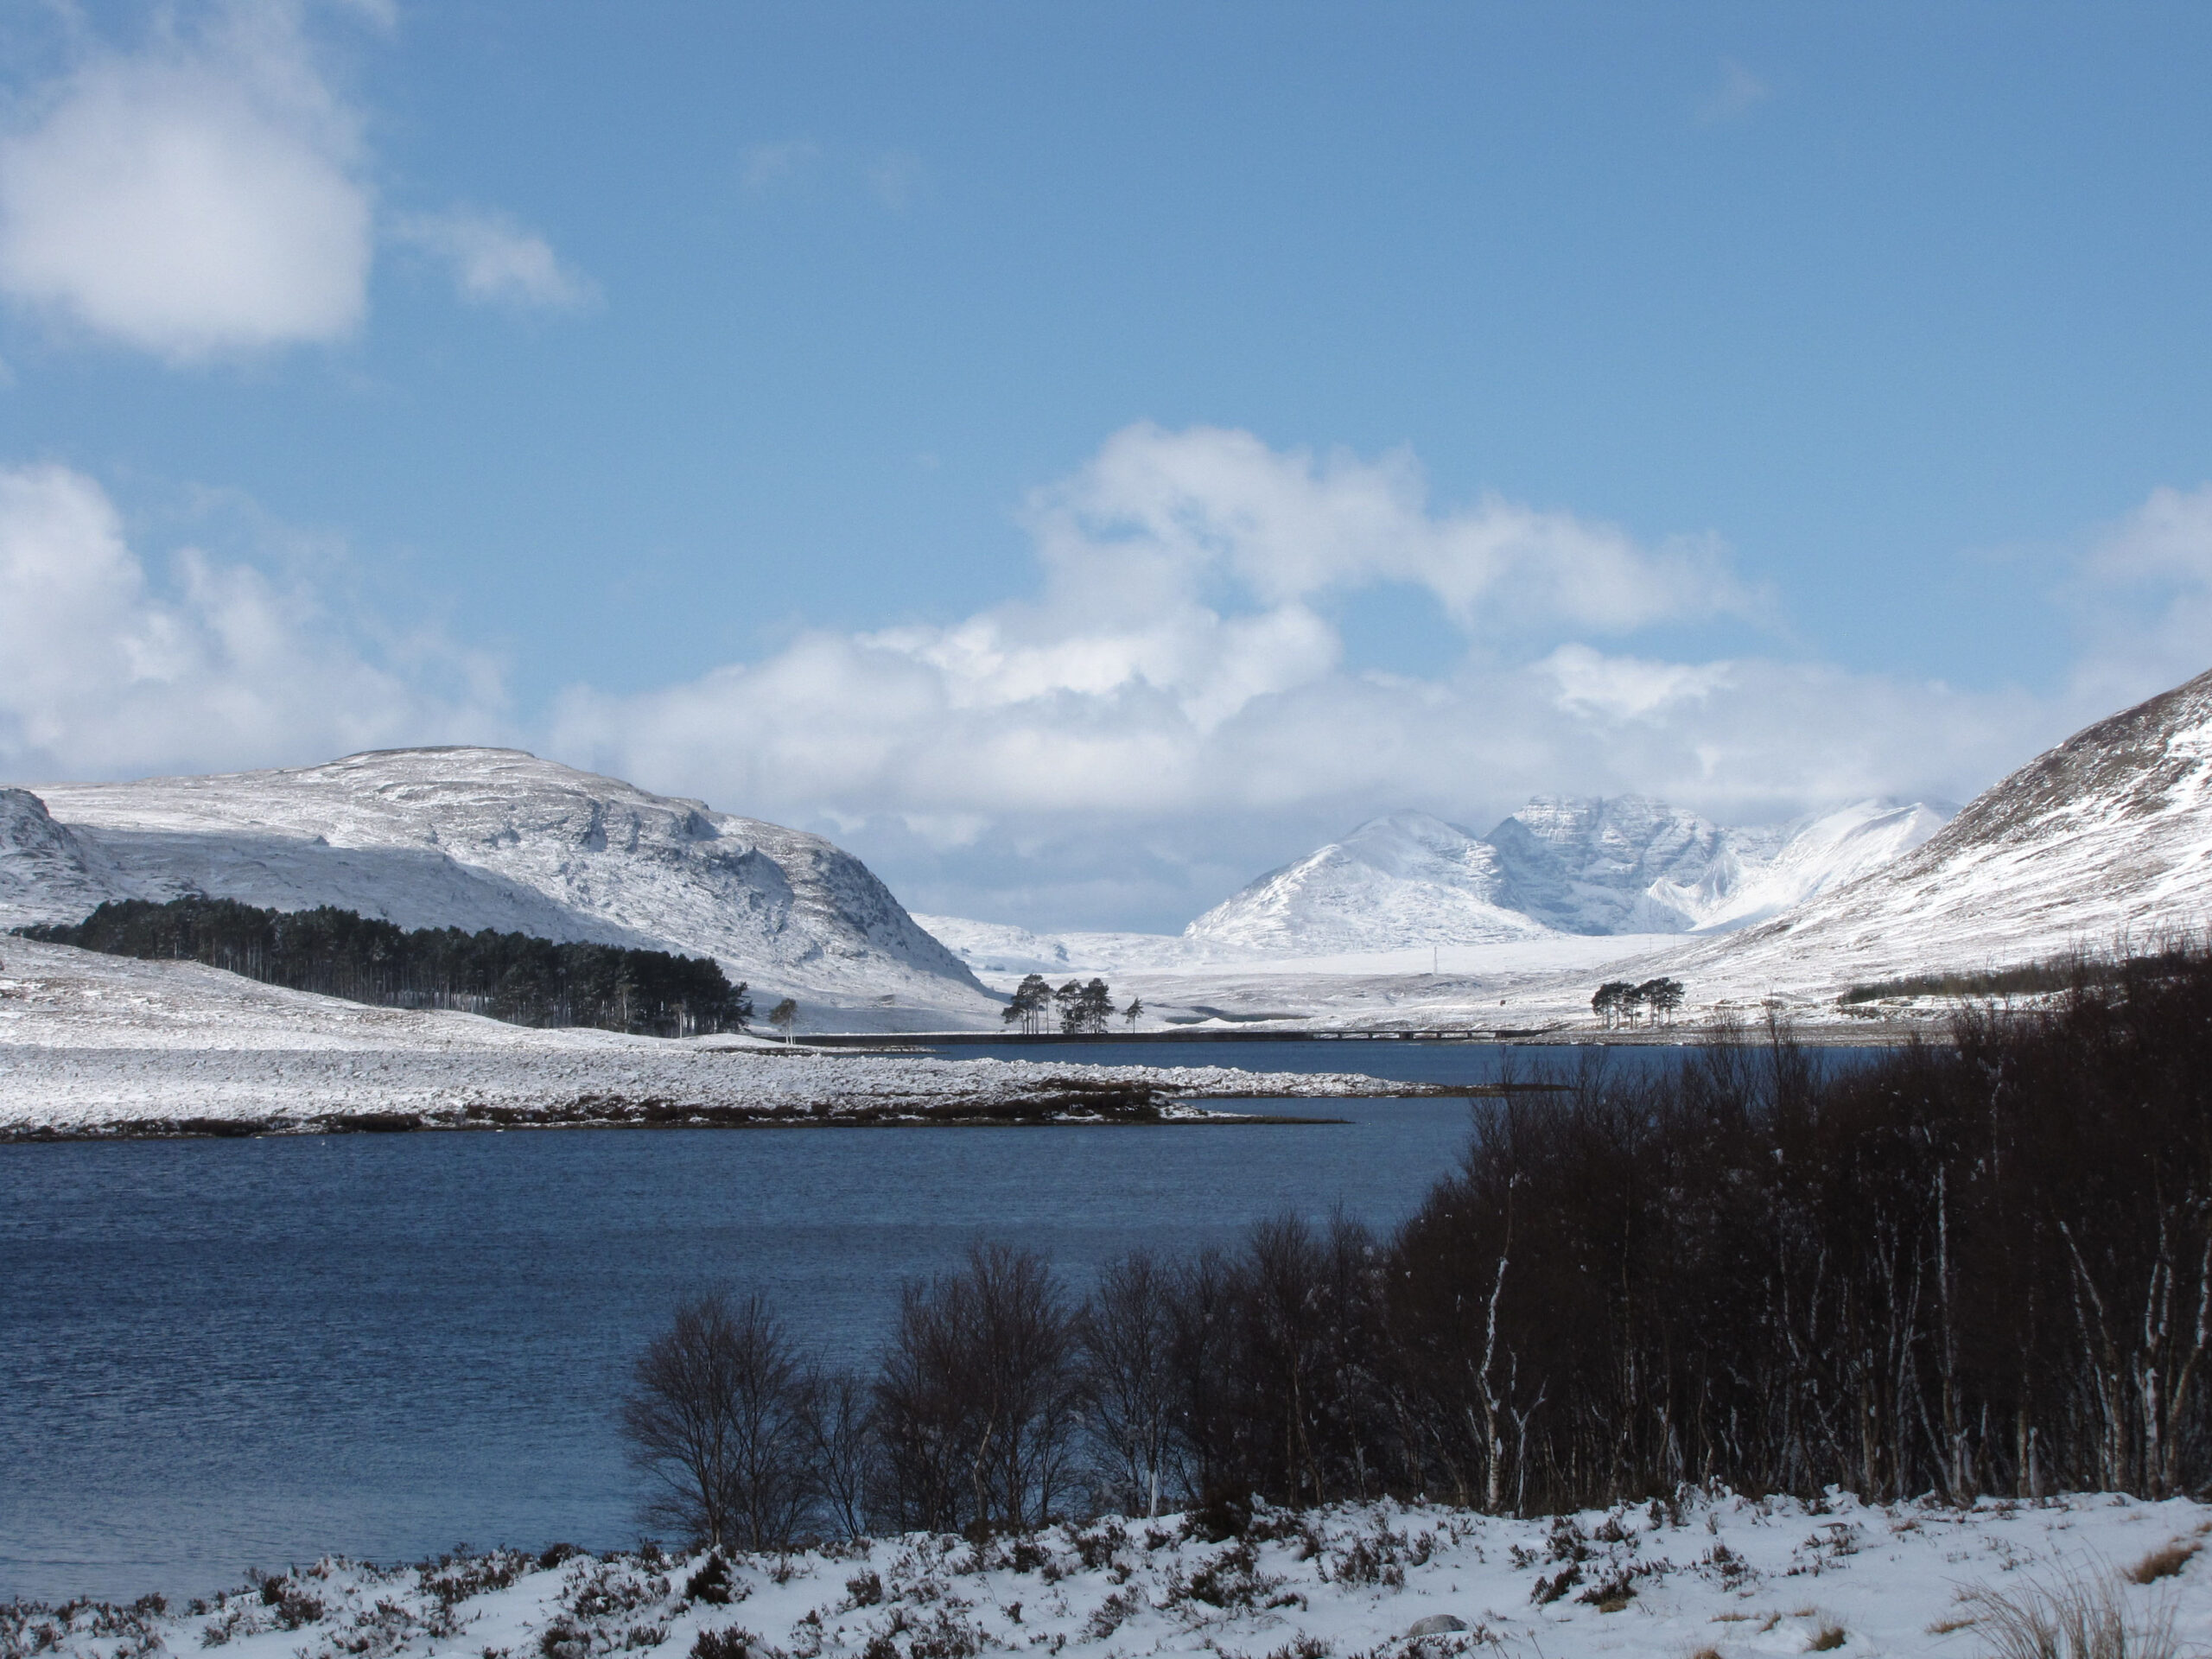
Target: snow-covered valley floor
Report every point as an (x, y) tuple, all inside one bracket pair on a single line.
[(95, 1044), (1721, 1576)]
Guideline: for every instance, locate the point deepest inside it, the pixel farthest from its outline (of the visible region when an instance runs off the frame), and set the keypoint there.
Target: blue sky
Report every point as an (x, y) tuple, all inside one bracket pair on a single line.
[(1080, 455)]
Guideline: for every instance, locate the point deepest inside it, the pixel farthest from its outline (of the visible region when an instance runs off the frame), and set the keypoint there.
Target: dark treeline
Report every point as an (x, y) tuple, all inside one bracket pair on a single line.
[(1978, 1267), (2063, 973), (511, 976)]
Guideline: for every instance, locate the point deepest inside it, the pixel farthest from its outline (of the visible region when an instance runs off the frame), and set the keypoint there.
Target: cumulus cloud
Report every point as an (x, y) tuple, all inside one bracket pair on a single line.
[(2144, 597), (109, 672), (208, 193), (205, 195), (495, 260), (1170, 711)]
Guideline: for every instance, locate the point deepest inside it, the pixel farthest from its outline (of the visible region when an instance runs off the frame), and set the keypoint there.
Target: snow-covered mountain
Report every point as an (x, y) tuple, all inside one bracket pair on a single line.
[(476, 838), (2106, 837), (1559, 865), (1405, 879), (1600, 866)]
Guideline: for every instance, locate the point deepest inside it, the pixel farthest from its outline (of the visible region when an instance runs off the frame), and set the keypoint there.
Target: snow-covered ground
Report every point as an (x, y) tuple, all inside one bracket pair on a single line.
[(91, 1044), (1704, 1577)]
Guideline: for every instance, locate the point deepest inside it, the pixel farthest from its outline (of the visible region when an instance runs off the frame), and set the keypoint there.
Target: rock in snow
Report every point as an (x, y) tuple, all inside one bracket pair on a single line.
[(476, 838)]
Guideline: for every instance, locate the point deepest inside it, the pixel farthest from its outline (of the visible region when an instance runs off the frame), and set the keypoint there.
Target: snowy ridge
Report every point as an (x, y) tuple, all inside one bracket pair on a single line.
[(476, 838), (1815, 855), (47, 873), (1726, 1576)]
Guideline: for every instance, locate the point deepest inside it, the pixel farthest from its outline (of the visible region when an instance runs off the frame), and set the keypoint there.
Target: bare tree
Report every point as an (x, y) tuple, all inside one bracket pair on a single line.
[(714, 1417), (1126, 1334), (976, 1403), (839, 1422)]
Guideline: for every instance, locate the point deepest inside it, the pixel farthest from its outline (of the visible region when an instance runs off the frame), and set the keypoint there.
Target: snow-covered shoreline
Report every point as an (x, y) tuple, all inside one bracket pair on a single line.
[(95, 1046), (1703, 1575)]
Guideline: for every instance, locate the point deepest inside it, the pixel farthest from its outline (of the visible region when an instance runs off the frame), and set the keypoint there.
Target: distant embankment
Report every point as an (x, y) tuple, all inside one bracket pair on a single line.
[(511, 976)]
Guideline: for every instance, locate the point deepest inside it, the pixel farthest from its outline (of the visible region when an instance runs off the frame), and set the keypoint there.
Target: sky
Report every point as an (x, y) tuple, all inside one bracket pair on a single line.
[(1079, 457)]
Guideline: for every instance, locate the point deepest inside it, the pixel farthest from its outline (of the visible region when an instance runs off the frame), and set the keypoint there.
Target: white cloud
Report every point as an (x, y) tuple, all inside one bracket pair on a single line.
[(766, 167), (105, 674), (1177, 670), (900, 180), (496, 261), (2144, 599), (205, 195), (1630, 688), (1740, 92), (208, 195)]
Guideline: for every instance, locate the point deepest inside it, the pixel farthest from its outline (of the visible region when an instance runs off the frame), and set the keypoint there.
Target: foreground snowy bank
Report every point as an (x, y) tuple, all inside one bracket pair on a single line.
[(1721, 1577), (94, 1044)]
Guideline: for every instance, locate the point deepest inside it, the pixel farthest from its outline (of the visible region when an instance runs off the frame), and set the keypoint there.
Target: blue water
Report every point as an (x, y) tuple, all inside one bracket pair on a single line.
[(224, 1354)]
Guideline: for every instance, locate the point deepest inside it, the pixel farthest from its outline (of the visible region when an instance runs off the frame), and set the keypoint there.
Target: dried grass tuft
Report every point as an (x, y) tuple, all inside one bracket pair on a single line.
[(2075, 1617), (2161, 1563)]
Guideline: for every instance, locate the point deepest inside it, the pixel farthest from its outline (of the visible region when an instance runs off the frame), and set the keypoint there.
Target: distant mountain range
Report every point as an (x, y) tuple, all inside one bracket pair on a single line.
[(1559, 865), (476, 838)]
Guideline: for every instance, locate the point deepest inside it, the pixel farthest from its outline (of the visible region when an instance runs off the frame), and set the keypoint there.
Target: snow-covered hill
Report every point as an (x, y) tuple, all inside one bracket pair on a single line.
[(476, 838), (2108, 837)]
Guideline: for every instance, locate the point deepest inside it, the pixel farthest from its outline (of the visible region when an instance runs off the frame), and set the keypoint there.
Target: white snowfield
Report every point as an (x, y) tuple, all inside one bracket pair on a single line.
[(1725, 1577), (495, 838), (94, 1045)]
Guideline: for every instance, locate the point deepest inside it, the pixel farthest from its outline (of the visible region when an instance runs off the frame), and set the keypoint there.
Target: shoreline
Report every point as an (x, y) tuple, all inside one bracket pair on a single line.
[(410, 1124), (1870, 1033)]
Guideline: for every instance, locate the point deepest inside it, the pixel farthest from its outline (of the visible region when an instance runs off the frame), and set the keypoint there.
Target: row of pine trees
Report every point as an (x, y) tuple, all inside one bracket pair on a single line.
[(1076, 1008)]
